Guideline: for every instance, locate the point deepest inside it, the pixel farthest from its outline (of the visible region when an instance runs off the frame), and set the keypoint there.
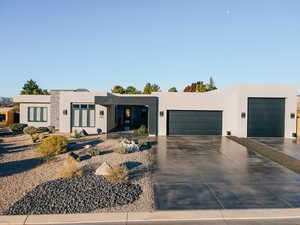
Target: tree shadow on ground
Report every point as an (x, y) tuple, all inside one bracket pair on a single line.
[(9, 148), (136, 170), (15, 167)]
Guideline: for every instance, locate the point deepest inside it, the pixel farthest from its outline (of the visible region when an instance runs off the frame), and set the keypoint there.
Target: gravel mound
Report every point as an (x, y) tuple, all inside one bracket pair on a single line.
[(75, 195)]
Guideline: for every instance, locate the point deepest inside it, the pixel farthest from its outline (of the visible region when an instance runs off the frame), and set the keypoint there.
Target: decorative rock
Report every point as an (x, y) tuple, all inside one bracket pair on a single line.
[(130, 145), (83, 132), (75, 195), (103, 169)]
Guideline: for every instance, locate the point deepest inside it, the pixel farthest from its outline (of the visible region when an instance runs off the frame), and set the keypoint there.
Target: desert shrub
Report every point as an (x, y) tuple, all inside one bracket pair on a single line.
[(17, 127), (42, 129), (117, 174), (76, 134), (71, 168), (35, 138), (38, 137), (142, 130), (52, 146), (31, 130), (93, 151), (143, 143), (121, 150)]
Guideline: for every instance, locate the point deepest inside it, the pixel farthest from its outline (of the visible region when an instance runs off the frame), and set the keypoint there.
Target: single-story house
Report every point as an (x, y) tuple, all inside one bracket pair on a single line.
[(8, 116), (244, 111)]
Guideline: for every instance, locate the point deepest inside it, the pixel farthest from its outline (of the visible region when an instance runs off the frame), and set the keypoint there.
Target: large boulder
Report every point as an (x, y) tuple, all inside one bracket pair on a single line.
[(131, 146), (103, 169)]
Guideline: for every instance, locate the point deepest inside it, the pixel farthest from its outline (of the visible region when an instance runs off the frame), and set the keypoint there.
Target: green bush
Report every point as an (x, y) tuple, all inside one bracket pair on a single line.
[(93, 151), (30, 130), (117, 174), (121, 150), (17, 127), (142, 130), (52, 146)]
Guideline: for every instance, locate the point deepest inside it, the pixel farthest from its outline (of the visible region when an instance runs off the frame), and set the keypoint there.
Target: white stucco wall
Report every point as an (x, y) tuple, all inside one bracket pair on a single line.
[(67, 98), (232, 101), (24, 114)]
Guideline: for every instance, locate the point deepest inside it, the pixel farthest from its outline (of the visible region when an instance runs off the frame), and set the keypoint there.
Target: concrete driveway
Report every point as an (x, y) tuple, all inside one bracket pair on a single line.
[(288, 146), (201, 172)]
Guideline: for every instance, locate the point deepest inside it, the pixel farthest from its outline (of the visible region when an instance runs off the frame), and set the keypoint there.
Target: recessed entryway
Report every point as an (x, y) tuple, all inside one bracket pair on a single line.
[(194, 122)]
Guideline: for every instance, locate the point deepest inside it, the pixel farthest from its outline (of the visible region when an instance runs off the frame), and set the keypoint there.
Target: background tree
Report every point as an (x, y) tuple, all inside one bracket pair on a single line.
[(118, 89), (172, 89), (149, 88), (31, 88), (132, 90), (211, 85), (200, 86)]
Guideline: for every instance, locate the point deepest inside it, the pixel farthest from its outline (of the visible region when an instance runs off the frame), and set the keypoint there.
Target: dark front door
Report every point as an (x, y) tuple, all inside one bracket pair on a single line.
[(266, 117), (127, 118), (194, 122)]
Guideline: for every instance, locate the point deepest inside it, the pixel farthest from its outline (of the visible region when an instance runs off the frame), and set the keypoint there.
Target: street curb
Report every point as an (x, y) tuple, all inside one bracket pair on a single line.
[(156, 216)]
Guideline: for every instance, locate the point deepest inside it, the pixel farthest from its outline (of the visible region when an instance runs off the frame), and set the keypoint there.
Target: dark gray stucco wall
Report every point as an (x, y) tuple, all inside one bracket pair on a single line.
[(150, 101)]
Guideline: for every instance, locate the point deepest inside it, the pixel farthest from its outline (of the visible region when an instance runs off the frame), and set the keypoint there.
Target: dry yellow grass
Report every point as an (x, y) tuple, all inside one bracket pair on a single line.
[(71, 168), (117, 174)]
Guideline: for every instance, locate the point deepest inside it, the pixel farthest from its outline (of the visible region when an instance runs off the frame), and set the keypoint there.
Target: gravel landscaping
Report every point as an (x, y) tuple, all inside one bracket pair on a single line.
[(75, 195), (25, 178)]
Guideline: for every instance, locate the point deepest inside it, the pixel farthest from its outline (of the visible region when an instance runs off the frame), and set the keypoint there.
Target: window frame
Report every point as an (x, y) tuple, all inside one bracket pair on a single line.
[(41, 114), (89, 107)]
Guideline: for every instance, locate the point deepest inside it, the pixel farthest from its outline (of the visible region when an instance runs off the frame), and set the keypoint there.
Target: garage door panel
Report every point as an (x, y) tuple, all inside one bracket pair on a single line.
[(266, 117), (196, 122)]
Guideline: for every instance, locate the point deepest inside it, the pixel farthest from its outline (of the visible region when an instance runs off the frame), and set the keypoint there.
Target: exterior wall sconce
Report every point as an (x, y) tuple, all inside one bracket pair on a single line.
[(292, 115), (65, 112), (228, 133), (243, 115), (161, 113), (101, 113)]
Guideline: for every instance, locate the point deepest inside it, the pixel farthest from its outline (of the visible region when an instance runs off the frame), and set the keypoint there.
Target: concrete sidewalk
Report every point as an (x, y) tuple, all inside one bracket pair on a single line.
[(157, 217)]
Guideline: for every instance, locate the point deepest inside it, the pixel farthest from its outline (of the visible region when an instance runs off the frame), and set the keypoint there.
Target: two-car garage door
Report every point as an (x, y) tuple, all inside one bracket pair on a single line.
[(266, 118), (194, 122)]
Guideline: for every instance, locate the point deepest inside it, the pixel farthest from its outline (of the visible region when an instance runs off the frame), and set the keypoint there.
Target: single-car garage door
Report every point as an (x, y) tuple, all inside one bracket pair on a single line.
[(266, 117), (194, 122)]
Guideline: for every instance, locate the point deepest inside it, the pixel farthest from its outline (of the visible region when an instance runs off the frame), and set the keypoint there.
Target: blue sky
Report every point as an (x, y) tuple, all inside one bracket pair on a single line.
[(97, 44)]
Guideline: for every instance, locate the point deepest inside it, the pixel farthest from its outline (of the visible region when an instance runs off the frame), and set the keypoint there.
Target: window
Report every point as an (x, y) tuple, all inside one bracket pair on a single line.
[(37, 114), (83, 115)]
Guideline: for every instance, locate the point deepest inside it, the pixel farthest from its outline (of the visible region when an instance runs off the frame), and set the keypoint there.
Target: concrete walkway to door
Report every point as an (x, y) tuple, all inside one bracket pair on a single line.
[(201, 172)]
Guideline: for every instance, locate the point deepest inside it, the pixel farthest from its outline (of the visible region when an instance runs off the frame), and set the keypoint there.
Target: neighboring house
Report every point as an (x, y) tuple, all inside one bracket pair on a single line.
[(244, 110), (8, 116)]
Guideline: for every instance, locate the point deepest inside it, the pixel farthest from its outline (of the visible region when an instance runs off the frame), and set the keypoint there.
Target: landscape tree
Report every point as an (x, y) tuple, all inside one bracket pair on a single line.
[(149, 88), (172, 89), (32, 88), (118, 89), (132, 90)]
